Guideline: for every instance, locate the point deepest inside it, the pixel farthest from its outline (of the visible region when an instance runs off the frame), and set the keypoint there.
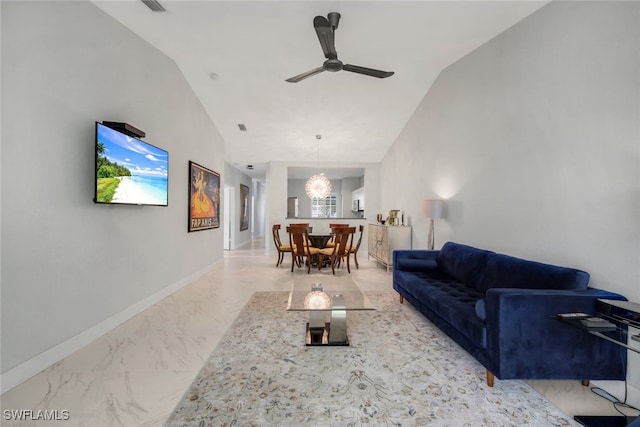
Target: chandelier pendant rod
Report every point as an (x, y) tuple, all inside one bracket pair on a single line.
[(318, 186)]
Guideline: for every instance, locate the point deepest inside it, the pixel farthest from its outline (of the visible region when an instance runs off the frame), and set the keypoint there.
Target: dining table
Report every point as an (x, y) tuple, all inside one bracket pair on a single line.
[(319, 240)]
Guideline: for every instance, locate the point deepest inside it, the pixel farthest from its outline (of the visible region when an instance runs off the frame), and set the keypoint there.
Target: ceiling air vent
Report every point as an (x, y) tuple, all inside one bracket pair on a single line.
[(154, 5)]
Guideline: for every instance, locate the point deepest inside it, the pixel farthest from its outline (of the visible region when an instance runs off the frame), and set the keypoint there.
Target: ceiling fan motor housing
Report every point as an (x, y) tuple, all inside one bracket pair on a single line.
[(332, 65)]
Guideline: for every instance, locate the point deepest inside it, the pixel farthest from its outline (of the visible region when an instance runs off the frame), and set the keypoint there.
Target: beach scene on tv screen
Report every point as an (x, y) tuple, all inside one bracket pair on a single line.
[(129, 170)]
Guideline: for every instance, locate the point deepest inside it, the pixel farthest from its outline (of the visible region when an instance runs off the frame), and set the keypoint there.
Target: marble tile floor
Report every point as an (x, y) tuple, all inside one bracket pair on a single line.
[(136, 374)]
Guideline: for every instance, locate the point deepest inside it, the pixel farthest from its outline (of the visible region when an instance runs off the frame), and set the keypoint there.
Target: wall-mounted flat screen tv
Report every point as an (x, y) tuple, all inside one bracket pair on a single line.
[(129, 171)]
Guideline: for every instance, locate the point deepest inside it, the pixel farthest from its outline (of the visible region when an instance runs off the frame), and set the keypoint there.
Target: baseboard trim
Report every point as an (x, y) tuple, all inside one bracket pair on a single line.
[(21, 373)]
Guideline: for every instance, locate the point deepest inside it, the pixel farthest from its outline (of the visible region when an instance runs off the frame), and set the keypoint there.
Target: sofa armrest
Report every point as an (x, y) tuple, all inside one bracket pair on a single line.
[(524, 339)]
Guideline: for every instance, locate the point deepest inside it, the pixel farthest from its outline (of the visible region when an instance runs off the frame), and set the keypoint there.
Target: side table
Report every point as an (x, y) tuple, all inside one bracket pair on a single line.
[(619, 316)]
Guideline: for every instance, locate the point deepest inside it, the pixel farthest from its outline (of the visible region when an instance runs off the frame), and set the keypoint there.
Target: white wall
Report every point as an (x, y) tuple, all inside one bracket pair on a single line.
[(534, 139), (259, 192), (70, 268), (295, 188)]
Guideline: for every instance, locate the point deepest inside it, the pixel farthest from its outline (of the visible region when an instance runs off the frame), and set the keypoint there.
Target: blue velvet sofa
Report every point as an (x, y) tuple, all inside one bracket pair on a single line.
[(501, 310)]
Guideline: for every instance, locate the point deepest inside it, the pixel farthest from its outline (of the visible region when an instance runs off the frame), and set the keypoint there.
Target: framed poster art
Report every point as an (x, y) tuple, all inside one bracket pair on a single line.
[(204, 198), (244, 207)]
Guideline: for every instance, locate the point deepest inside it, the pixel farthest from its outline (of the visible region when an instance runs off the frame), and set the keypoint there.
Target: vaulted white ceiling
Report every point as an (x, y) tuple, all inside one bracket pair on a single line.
[(252, 47)]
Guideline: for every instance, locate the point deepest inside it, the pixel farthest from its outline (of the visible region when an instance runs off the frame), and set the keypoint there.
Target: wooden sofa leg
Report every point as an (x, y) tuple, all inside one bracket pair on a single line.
[(401, 299), (585, 383), (490, 378)]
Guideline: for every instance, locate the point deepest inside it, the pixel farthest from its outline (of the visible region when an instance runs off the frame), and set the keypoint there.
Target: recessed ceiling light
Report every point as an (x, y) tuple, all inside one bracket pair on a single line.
[(250, 167)]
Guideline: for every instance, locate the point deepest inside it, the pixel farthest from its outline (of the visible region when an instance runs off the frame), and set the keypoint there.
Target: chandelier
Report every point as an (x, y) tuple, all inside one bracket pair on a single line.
[(318, 186)]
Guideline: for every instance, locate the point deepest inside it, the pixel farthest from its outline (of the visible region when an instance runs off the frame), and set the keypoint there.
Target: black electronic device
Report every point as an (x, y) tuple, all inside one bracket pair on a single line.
[(604, 420), (125, 128), (570, 316), (624, 311)]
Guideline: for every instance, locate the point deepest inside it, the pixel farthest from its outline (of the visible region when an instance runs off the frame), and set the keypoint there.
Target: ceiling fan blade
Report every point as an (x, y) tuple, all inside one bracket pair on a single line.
[(367, 71), (325, 35), (296, 79)]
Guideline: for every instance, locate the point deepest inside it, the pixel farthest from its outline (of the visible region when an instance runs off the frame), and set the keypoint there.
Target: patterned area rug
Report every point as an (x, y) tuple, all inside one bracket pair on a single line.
[(399, 370)]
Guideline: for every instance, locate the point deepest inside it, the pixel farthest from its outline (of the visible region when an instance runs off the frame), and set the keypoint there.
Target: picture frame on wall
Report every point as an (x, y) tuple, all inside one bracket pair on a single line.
[(204, 198), (244, 207)]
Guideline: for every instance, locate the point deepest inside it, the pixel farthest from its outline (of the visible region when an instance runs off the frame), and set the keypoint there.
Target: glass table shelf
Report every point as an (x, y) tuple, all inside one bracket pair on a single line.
[(327, 296), (622, 328), (622, 315)]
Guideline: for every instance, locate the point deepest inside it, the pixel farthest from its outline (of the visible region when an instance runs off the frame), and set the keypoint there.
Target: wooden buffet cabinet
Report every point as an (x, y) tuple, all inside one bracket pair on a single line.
[(384, 239)]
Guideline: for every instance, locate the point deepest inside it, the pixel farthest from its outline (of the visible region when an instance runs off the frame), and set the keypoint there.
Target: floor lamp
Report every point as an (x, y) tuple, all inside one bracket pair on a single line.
[(432, 209)]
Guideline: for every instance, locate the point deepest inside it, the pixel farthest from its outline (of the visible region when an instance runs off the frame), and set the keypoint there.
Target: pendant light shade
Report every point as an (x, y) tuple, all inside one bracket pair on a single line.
[(318, 186)]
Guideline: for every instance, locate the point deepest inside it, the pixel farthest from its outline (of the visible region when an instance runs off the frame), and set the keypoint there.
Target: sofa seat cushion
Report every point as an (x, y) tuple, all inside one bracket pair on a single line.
[(505, 271), (451, 300), (464, 263)]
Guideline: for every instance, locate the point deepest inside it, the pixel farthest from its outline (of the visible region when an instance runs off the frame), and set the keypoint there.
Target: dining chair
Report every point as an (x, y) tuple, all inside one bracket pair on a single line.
[(343, 238), (282, 249), (354, 249), (331, 242), (300, 247), (303, 224), (299, 224)]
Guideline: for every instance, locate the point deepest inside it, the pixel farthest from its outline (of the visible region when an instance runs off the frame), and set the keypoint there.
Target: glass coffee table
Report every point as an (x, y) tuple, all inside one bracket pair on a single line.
[(327, 299)]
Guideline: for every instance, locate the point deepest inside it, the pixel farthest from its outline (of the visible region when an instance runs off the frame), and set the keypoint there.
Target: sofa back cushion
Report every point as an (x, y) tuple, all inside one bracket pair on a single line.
[(504, 271), (464, 263)]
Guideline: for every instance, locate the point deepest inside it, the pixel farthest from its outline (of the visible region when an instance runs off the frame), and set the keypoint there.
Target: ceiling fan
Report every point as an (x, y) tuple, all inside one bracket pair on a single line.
[(325, 28)]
